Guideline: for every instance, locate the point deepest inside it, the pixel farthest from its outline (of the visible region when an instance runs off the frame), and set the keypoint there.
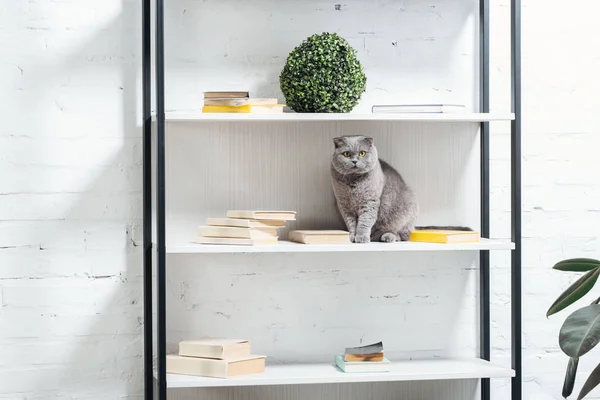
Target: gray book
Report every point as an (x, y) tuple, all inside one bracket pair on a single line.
[(368, 349)]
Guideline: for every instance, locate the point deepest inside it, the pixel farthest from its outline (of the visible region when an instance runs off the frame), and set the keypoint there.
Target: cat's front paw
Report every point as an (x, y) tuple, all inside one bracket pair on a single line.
[(352, 236), (362, 239)]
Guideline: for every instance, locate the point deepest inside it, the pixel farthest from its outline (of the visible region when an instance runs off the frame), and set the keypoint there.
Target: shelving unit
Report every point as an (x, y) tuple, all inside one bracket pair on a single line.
[(157, 244)]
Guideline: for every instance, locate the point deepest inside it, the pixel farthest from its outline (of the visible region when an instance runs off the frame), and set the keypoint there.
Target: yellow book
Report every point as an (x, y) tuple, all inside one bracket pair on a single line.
[(227, 109), (444, 236)]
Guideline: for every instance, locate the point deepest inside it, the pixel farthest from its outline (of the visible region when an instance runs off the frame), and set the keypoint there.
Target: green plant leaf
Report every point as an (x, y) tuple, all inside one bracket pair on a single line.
[(574, 292), (570, 377), (581, 331), (592, 381), (577, 265), (323, 74)]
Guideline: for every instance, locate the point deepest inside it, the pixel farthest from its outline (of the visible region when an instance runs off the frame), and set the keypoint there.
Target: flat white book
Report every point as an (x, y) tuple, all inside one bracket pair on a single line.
[(319, 237), (262, 215), (237, 232), (224, 349), (245, 223), (236, 241), (215, 368)]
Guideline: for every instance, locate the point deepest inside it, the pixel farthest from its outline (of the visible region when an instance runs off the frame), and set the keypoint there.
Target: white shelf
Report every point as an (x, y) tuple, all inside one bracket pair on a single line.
[(298, 374), (289, 247), (298, 117)]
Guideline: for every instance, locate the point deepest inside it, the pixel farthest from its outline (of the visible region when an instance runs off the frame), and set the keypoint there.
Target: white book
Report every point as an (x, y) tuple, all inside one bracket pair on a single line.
[(240, 102), (245, 223), (237, 232), (261, 215), (320, 237), (223, 349), (236, 241), (215, 368), (418, 108)]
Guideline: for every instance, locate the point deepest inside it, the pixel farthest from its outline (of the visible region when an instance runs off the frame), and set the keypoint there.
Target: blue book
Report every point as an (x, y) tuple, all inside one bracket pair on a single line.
[(362, 366)]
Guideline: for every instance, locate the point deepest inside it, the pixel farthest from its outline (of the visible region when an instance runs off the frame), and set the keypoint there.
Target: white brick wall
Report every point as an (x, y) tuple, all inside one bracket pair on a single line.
[(70, 162)]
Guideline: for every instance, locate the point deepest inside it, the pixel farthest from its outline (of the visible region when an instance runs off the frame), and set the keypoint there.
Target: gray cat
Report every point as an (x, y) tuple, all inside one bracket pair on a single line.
[(375, 202)]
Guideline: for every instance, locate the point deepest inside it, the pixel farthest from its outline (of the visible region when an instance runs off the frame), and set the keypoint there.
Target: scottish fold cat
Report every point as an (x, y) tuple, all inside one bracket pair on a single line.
[(374, 201)]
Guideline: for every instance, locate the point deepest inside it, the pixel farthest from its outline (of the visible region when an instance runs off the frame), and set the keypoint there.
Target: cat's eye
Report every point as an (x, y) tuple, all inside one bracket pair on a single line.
[(346, 154), (362, 153)]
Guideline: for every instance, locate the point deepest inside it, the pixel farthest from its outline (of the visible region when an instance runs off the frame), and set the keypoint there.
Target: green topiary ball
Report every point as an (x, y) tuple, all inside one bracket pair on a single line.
[(323, 75)]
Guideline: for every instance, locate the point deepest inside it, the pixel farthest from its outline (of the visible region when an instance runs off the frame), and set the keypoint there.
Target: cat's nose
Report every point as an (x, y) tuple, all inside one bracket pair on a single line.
[(355, 161)]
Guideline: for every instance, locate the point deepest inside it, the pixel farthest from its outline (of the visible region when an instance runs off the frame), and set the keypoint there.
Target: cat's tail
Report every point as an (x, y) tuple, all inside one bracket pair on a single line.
[(444, 228)]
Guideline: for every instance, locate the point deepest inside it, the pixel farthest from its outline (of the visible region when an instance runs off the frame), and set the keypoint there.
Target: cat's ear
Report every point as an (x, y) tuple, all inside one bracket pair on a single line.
[(338, 141), (368, 141)]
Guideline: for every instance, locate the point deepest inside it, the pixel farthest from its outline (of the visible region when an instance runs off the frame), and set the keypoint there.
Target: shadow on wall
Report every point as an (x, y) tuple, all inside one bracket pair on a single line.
[(85, 316)]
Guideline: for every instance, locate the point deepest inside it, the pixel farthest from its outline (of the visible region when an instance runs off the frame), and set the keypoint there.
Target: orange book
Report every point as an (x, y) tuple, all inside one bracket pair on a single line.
[(373, 357)]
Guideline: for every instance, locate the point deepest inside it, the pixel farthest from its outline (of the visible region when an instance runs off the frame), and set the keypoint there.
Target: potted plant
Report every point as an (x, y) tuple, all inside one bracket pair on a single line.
[(323, 75), (580, 332)]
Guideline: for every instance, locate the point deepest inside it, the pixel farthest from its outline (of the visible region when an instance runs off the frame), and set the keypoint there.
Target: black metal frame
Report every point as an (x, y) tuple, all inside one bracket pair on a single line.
[(156, 387)]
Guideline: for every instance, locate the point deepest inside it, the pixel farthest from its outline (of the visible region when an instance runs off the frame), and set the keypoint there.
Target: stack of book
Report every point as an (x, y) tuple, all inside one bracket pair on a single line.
[(444, 236), (250, 228), (363, 359), (239, 102), (215, 358)]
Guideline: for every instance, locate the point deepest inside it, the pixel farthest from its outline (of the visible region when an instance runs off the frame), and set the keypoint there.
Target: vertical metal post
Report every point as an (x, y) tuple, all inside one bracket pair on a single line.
[(147, 196), (160, 203), (515, 133), (484, 256)]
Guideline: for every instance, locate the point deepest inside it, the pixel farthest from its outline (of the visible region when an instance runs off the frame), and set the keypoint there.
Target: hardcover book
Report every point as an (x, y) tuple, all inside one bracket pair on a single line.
[(226, 95), (237, 232), (215, 368), (363, 357), (261, 215), (236, 241), (245, 223), (227, 109), (357, 367), (366, 349), (215, 348), (257, 101), (320, 237), (444, 236), (244, 109)]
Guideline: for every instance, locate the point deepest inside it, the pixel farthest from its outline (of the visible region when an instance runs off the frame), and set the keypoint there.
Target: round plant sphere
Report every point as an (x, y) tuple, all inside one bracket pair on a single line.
[(323, 75)]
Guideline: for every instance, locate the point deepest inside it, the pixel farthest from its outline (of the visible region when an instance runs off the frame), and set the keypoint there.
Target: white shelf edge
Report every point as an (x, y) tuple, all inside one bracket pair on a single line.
[(299, 374), (191, 116), (289, 247)]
